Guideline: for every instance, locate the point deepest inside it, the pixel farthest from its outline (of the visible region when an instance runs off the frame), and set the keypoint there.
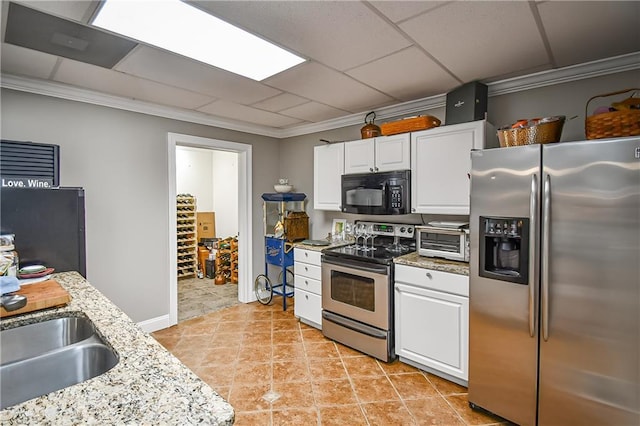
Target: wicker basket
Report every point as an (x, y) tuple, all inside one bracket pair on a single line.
[(548, 132), (612, 124), (412, 124)]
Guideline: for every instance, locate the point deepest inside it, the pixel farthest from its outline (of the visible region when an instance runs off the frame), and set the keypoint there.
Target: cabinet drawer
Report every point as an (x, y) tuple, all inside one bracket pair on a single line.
[(308, 270), (308, 306), (309, 284), (307, 256), (434, 280)]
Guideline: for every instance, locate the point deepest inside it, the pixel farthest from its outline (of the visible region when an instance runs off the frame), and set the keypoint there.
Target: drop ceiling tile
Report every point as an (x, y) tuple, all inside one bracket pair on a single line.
[(406, 75), (21, 61), (478, 40), (244, 113), (314, 112), (398, 11), (168, 68), (317, 82), (113, 82), (604, 29), (340, 34), (280, 102)]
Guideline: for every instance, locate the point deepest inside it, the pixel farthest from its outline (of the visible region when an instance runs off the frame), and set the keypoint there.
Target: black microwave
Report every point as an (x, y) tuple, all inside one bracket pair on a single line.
[(385, 193)]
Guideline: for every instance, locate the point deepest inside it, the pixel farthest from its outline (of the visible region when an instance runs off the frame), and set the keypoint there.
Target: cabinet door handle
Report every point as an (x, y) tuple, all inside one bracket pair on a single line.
[(306, 269), (306, 282), (429, 275), (370, 169), (306, 255), (376, 169), (306, 296)]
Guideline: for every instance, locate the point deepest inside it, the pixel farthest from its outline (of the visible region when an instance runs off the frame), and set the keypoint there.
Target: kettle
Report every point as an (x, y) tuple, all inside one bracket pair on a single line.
[(370, 130)]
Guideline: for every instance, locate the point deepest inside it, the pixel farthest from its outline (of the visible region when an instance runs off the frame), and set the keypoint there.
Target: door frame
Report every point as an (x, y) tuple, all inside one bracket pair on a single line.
[(245, 247)]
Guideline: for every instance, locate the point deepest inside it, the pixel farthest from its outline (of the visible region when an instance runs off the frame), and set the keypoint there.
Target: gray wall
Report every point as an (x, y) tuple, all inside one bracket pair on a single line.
[(120, 158), (568, 99)]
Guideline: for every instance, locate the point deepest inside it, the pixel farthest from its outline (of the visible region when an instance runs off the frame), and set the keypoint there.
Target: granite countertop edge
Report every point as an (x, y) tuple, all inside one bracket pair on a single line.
[(436, 264), (147, 386)]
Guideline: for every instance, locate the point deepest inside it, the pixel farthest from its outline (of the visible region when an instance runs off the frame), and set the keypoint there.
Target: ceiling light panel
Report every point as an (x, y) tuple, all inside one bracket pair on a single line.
[(188, 31)]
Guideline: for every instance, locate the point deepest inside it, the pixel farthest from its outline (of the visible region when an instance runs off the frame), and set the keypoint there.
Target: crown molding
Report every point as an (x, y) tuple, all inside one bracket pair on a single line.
[(592, 69), (68, 92)]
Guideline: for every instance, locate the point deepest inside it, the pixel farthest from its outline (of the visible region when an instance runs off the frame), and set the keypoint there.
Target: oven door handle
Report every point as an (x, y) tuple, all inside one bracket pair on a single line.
[(354, 325), (348, 263)]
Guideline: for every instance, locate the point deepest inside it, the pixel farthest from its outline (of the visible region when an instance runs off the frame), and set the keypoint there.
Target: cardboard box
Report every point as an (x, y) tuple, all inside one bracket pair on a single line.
[(206, 225)]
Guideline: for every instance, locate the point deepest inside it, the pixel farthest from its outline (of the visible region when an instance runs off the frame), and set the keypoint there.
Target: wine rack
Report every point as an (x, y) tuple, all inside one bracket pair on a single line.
[(186, 233)]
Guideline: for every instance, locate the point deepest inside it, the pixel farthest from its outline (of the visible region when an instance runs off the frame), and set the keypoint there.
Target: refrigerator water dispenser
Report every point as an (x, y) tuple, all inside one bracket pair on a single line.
[(504, 249)]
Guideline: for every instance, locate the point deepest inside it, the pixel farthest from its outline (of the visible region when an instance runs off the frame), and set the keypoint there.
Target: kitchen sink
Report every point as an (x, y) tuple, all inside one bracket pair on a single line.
[(34, 339), (70, 352)]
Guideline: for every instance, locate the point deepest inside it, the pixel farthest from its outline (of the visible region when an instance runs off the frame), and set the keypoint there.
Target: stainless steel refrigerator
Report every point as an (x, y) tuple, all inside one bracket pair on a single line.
[(554, 315)]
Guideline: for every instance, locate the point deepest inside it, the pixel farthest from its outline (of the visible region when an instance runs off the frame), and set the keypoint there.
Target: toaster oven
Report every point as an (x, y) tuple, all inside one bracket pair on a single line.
[(448, 240)]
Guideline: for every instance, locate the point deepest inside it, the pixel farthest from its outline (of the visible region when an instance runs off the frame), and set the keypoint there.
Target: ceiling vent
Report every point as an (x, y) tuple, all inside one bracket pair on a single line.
[(36, 30)]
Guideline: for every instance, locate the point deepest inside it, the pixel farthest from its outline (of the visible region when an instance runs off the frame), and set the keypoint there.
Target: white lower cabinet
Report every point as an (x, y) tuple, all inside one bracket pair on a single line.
[(432, 321), (308, 286)]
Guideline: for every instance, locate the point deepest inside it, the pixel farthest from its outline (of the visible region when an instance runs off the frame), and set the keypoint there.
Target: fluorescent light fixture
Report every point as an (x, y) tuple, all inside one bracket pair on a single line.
[(188, 31)]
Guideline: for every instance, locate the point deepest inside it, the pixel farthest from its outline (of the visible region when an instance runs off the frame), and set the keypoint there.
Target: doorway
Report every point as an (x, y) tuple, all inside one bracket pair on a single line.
[(244, 190)]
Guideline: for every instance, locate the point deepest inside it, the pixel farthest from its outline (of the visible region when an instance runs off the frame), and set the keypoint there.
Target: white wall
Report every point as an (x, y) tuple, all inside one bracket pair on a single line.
[(120, 158), (212, 177), (225, 194), (194, 166)]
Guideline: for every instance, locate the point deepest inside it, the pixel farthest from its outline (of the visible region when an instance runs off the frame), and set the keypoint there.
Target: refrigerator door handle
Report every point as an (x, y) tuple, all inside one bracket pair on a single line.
[(546, 220), (533, 214)]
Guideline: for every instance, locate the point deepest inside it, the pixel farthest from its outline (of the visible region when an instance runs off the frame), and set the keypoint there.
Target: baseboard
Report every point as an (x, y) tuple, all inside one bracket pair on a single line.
[(155, 324)]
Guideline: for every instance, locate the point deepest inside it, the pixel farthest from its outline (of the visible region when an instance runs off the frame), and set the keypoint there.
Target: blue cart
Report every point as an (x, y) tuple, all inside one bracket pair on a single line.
[(278, 250)]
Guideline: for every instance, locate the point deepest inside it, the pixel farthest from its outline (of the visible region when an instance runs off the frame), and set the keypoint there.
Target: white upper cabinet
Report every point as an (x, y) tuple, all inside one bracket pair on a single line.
[(385, 153), (441, 167), (328, 167)]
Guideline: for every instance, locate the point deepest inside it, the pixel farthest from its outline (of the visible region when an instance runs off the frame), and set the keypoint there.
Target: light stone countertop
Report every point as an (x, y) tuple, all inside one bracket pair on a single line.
[(320, 248), (443, 265), (148, 386)]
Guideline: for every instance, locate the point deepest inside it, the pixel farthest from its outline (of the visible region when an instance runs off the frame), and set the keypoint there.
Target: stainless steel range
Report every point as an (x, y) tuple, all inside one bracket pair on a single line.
[(357, 288)]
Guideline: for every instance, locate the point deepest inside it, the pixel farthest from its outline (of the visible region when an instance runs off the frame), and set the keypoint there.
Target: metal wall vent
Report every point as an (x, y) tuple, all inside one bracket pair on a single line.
[(29, 164)]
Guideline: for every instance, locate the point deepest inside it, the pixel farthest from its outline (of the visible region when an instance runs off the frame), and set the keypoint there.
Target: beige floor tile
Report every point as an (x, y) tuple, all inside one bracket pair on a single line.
[(323, 350), (433, 411), (253, 418), (445, 387), (293, 395), (295, 417), (286, 336), (248, 397), (397, 367), (374, 389), (350, 415), (247, 351), (413, 386), (327, 369), (334, 392), (288, 351), (253, 372), (292, 370), (362, 366), (387, 413), (460, 404)]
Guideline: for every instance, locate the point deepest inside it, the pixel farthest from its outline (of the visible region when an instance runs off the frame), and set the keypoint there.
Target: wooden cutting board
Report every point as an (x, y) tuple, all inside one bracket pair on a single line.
[(42, 295)]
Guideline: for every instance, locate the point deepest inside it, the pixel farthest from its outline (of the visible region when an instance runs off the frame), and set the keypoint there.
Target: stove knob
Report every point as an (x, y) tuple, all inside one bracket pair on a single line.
[(410, 230), (402, 229)]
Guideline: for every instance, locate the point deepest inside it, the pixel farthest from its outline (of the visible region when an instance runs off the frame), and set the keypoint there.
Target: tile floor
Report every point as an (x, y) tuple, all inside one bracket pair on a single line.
[(275, 370), (200, 296)]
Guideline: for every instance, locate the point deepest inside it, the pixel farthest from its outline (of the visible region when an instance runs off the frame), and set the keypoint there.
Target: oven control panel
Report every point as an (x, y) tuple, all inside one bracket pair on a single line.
[(392, 229)]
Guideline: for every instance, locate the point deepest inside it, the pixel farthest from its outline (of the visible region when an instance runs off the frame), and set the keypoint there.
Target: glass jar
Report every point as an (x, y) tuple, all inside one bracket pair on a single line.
[(9, 260)]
